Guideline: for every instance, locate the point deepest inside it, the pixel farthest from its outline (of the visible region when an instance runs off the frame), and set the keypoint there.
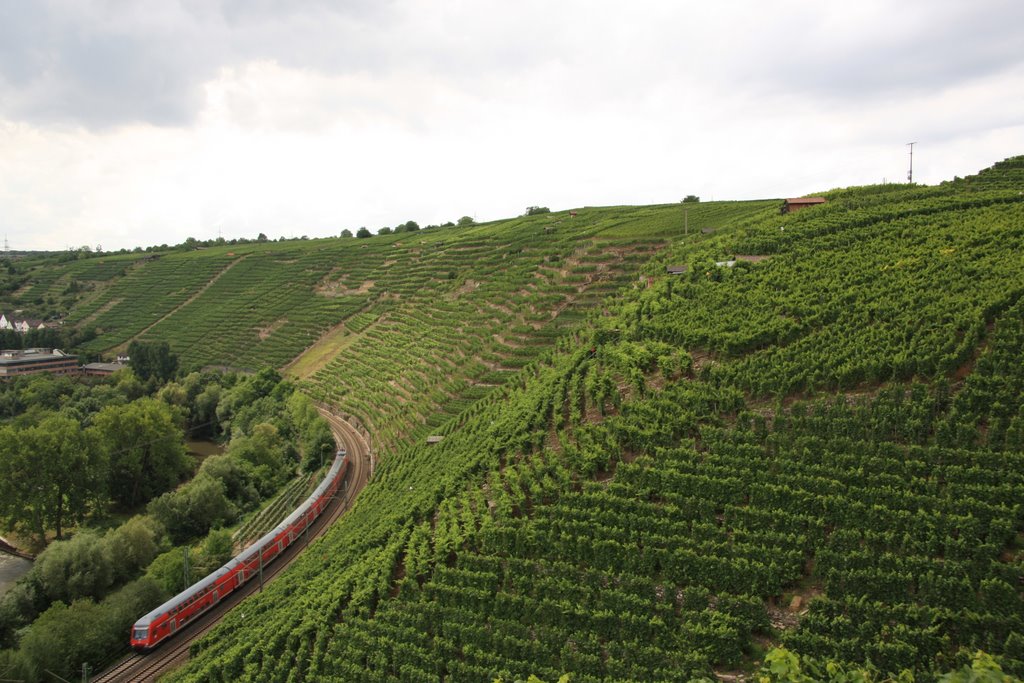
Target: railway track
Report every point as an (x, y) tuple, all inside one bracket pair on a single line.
[(172, 654)]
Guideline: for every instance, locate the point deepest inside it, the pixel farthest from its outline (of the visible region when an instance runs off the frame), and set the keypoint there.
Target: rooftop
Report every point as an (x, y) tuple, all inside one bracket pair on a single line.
[(104, 367), (22, 354)]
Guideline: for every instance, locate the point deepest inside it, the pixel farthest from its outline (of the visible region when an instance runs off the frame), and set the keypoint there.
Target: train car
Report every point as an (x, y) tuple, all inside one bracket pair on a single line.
[(168, 618)]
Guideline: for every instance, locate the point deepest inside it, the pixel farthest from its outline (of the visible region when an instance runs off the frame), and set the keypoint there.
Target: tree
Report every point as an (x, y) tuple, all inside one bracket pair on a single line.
[(244, 398), (363, 232), (264, 447), (51, 474), (204, 410), (384, 231), (346, 233), (466, 220), (237, 476), (79, 568), (262, 237), (46, 338), (15, 666), (264, 409), (168, 570), (301, 411), (691, 199), (152, 359), (129, 385), (317, 445), (534, 210), (133, 545), (218, 548), (174, 394), (66, 636), (19, 607), (194, 509), (145, 447), (9, 339)]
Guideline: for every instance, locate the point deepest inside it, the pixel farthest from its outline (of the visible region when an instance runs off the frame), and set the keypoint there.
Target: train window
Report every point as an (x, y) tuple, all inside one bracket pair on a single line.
[(140, 634)]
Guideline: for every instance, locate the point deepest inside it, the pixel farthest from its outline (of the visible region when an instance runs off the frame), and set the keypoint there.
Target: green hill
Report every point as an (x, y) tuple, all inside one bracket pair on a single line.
[(822, 449), (812, 437), (406, 330)]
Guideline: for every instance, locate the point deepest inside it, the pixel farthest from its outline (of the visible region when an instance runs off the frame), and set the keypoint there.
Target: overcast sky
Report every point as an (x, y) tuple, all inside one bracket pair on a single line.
[(126, 123)]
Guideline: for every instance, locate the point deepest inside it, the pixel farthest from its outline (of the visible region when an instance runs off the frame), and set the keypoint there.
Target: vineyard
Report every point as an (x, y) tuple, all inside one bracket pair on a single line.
[(811, 437), (403, 331), (820, 448)]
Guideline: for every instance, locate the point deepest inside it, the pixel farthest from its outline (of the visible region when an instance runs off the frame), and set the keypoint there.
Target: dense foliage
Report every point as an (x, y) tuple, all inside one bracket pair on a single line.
[(78, 446), (83, 448), (152, 360)]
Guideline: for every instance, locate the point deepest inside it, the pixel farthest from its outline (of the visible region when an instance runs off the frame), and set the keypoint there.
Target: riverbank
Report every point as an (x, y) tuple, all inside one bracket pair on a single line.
[(11, 569)]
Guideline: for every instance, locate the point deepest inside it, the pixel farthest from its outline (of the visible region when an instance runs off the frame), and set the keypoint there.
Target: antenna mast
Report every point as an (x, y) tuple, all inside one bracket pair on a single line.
[(910, 173)]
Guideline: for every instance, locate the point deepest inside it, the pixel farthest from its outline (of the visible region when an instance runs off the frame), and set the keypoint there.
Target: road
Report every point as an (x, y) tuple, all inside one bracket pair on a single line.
[(172, 654)]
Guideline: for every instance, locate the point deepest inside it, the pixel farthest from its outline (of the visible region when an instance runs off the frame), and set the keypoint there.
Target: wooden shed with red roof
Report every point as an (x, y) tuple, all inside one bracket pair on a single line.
[(798, 203)]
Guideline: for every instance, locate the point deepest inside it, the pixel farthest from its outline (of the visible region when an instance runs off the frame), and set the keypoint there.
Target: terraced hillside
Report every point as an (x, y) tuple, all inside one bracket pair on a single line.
[(822, 447), (45, 285), (406, 330)]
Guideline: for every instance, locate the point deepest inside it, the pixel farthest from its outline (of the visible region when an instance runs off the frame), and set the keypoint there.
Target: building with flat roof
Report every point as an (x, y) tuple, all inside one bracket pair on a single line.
[(17, 362), (102, 369)]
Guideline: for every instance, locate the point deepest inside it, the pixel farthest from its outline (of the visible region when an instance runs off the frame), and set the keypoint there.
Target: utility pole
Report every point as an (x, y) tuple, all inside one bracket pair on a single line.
[(184, 566), (85, 673), (910, 173)]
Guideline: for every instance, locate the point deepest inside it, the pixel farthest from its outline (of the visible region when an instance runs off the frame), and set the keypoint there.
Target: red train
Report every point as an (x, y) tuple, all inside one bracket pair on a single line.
[(166, 619)]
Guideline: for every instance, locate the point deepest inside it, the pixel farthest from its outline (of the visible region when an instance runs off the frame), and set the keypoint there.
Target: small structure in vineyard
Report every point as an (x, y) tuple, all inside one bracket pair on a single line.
[(797, 203)]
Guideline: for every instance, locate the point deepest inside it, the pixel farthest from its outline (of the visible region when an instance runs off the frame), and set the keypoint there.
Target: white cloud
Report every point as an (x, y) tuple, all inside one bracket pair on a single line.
[(241, 119)]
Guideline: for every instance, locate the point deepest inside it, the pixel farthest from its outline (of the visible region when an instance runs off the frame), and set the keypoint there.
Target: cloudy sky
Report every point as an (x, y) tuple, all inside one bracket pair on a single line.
[(127, 123)]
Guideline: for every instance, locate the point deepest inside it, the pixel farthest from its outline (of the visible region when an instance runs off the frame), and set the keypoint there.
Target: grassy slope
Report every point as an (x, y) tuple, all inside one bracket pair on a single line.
[(615, 512)]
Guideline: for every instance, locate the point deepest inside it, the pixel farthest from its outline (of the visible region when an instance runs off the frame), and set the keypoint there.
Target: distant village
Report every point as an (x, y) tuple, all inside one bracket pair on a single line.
[(23, 325), (18, 362)]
